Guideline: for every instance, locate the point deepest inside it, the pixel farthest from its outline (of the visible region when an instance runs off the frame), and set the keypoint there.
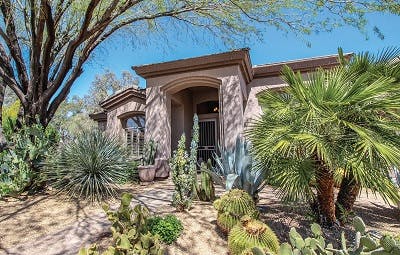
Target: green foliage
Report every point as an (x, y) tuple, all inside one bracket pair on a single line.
[(183, 170), (345, 119), (129, 230), (205, 190), (132, 171), (250, 233), (235, 169), (21, 162), (89, 167), (169, 228), (149, 153), (9, 117), (232, 206), (364, 242)]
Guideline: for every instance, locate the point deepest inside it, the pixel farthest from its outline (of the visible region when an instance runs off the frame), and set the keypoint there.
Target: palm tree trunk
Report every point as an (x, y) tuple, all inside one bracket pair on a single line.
[(349, 190), (325, 194)]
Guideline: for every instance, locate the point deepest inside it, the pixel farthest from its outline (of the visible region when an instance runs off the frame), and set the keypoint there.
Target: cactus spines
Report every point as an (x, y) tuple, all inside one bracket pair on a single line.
[(359, 225), (387, 242), (232, 206), (253, 251), (251, 233)]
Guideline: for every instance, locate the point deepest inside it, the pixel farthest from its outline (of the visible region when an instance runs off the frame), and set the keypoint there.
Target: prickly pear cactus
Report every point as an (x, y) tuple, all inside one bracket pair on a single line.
[(232, 206), (250, 233), (130, 232)]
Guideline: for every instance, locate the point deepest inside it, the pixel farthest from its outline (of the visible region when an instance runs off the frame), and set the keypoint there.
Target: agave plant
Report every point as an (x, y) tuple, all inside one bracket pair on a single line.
[(89, 167), (235, 168)]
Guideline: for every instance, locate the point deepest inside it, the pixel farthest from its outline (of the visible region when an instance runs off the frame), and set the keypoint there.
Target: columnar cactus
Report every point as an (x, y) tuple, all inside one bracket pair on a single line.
[(232, 206), (251, 233), (184, 170)]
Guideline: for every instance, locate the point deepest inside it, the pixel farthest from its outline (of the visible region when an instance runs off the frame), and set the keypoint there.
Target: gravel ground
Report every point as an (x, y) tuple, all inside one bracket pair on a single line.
[(52, 224)]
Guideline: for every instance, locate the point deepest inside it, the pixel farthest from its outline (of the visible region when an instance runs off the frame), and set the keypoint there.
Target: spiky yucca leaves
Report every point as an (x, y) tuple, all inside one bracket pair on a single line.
[(343, 118), (232, 206), (251, 233), (89, 167)]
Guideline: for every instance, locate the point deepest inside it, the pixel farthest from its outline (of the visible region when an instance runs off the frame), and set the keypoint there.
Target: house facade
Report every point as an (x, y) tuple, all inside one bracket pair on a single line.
[(220, 88)]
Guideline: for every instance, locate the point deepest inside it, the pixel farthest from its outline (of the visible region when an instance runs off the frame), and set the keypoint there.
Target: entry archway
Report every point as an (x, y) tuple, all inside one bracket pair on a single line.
[(188, 96)]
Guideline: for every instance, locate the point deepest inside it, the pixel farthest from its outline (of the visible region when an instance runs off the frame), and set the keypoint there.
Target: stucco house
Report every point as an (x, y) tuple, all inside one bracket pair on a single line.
[(220, 88)]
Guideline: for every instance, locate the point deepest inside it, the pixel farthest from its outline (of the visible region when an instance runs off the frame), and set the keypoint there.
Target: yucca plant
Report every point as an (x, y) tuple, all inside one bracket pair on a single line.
[(343, 118), (89, 167)]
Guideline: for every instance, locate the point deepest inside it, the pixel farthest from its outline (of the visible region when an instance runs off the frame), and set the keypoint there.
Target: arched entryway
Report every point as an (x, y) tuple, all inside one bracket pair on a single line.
[(199, 96)]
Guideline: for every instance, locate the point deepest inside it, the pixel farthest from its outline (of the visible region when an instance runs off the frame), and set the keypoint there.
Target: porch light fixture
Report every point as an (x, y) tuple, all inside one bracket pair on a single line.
[(215, 109)]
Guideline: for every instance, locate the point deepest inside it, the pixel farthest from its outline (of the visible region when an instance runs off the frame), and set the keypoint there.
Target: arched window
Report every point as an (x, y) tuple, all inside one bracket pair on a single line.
[(134, 126), (135, 122)]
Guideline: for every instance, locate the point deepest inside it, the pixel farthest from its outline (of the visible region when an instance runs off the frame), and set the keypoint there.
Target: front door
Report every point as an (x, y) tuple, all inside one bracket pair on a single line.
[(207, 139)]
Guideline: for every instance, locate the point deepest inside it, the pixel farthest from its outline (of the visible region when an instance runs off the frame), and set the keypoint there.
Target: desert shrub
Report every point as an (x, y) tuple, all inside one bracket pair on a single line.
[(89, 167), (183, 168), (129, 230), (22, 160), (169, 228), (232, 206), (251, 233), (131, 172)]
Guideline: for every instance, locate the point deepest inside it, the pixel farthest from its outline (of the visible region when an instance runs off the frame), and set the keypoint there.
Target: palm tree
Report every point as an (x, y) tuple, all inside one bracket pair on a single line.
[(343, 118)]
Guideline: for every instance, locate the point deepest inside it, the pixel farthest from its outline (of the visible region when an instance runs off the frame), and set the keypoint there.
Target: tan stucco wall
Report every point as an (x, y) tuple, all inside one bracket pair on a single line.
[(158, 107), (114, 124)]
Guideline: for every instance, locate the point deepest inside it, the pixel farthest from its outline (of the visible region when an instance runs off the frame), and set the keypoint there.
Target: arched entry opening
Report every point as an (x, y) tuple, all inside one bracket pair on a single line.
[(201, 97)]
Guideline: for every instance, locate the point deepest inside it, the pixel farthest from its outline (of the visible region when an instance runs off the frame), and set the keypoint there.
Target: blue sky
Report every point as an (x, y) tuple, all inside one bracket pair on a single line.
[(276, 46)]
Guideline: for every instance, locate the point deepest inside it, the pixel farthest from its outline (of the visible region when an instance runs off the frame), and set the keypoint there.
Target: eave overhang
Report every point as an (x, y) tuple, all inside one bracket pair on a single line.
[(239, 58), (300, 65), (123, 97)]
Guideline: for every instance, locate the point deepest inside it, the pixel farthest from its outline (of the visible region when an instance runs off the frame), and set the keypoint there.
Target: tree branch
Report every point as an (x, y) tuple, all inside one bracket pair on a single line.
[(11, 39)]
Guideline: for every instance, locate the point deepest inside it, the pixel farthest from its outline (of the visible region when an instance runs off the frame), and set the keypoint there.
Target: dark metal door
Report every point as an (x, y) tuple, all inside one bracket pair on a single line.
[(207, 139)]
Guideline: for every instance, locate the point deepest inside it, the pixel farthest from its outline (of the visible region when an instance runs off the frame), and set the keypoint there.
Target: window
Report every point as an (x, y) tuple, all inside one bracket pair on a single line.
[(135, 122), (134, 133), (208, 107)]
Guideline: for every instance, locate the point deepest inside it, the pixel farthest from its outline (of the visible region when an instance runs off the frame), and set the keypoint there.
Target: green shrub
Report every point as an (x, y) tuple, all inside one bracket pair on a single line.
[(89, 167), (21, 161), (251, 233), (232, 206), (168, 228)]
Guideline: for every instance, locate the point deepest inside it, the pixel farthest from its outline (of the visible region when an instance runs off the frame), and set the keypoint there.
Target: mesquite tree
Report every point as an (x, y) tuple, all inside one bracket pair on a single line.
[(44, 44)]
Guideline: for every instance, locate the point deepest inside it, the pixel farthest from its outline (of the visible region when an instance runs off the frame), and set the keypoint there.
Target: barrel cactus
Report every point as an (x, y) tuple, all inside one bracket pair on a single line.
[(232, 206), (252, 233)]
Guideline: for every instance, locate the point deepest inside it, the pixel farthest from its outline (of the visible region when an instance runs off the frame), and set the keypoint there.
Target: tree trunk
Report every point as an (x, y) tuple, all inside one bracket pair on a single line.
[(3, 142), (325, 207), (349, 190)]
